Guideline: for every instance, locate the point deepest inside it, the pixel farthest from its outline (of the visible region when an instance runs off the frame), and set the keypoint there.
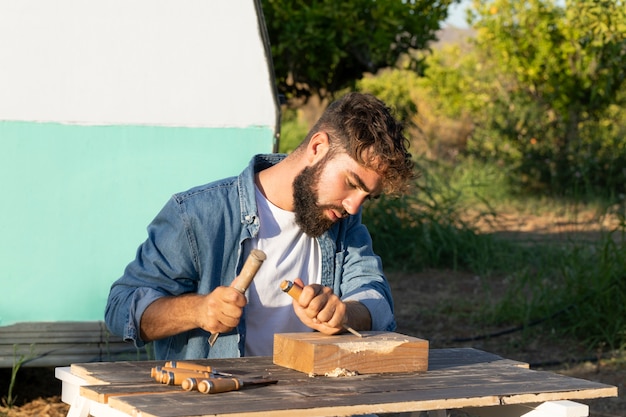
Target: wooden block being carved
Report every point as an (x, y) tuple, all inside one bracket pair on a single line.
[(377, 352)]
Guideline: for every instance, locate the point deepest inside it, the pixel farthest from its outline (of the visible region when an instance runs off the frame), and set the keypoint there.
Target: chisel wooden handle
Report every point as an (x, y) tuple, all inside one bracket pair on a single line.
[(188, 365), (217, 385), (245, 277), (174, 376), (177, 377), (190, 384), (291, 288)]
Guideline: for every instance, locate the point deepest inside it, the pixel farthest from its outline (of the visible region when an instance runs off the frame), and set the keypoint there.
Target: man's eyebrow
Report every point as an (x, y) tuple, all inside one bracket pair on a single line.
[(359, 182)]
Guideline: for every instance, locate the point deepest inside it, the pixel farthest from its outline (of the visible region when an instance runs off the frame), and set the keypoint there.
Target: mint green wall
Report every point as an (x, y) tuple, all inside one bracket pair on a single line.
[(75, 202)]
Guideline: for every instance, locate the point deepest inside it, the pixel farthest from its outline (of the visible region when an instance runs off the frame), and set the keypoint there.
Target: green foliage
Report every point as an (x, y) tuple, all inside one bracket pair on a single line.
[(293, 131), (558, 81), (454, 80), (572, 58), (321, 47), (426, 229)]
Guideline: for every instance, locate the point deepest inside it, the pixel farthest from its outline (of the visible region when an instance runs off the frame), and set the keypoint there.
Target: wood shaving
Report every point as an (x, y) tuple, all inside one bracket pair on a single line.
[(339, 372)]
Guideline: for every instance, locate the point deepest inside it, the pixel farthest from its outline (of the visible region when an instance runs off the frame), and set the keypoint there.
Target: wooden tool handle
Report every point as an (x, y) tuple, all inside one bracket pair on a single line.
[(217, 385), (244, 279), (190, 384), (176, 377), (188, 365), (291, 288), (249, 270)]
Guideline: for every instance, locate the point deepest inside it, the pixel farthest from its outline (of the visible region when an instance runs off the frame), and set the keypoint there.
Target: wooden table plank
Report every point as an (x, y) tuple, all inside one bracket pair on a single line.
[(456, 378), (102, 393), (347, 397), (114, 372), (139, 371)]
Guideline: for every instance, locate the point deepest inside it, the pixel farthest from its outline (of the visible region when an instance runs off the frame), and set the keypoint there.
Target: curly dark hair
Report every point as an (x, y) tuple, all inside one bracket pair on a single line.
[(364, 127)]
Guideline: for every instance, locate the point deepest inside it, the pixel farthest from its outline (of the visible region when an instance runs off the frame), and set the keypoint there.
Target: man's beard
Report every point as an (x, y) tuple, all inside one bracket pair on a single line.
[(309, 215)]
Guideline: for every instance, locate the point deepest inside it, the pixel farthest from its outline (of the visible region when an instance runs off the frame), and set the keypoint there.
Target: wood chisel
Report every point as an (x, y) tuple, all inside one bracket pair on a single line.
[(294, 290), (245, 277), (219, 385)]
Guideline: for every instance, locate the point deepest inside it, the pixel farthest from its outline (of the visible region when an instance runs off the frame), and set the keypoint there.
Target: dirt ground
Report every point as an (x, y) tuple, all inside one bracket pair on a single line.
[(439, 306)]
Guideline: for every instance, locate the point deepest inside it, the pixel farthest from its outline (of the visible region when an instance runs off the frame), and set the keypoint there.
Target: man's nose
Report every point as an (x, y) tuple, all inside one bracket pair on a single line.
[(354, 202)]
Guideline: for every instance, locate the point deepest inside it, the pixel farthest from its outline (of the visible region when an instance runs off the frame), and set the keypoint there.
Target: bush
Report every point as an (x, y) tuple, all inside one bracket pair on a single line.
[(292, 131), (427, 229)]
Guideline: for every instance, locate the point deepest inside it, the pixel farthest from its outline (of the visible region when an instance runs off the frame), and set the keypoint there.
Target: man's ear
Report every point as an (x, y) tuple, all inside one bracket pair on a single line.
[(318, 147)]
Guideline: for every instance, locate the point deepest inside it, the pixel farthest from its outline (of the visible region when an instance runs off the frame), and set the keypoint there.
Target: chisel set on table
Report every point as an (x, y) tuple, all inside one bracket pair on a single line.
[(205, 379)]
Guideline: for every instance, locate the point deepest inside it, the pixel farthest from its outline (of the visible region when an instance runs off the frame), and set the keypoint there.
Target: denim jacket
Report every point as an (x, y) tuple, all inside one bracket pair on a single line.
[(195, 244)]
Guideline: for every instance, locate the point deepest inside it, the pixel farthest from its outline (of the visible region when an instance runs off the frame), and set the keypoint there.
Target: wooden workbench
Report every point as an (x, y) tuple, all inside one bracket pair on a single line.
[(457, 378)]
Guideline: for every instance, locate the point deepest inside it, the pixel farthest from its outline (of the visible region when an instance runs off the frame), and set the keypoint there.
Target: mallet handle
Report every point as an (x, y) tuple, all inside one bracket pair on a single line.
[(245, 277)]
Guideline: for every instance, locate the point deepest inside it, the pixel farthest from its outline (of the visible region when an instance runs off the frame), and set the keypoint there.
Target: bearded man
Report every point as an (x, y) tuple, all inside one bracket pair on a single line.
[(303, 210)]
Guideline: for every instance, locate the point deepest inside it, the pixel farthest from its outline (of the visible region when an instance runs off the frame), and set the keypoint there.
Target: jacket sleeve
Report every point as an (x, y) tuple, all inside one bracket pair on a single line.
[(358, 271), (165, 264)]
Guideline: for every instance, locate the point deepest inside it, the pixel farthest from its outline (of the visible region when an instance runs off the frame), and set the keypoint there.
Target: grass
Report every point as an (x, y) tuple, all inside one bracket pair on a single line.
[(18, 361)]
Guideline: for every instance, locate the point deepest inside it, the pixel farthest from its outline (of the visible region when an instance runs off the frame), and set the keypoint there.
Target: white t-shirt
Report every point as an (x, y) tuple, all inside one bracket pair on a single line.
[(291, 254)]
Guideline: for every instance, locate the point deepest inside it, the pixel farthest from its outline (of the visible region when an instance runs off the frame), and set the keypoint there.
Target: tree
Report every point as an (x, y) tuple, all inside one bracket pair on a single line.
[(574, 58), (320, 47), (559, 70)]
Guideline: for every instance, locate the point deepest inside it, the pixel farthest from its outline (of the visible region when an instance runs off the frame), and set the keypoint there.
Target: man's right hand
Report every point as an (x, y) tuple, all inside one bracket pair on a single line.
[(219, 311), (223, 309)]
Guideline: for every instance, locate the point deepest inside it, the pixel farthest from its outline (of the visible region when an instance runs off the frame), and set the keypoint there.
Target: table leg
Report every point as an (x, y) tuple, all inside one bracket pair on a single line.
[(564, 408), (79, 407)]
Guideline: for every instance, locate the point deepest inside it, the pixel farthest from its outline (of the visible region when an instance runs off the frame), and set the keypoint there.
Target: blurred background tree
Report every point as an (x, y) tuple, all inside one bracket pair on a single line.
[(322, 47), (558, 76), (540, 93)]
